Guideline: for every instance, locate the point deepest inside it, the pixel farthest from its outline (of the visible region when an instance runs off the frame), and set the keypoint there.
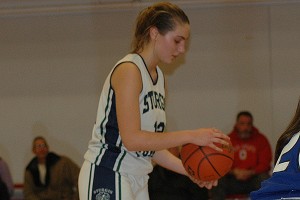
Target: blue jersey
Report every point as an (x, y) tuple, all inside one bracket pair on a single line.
[(285, 180)]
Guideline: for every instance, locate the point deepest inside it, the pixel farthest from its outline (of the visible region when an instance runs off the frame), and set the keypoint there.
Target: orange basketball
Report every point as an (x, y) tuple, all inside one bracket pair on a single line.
[(205, 163)]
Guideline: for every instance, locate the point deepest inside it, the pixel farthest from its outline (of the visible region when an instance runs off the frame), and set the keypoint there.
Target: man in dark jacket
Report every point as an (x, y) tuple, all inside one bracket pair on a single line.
[(49, 176)]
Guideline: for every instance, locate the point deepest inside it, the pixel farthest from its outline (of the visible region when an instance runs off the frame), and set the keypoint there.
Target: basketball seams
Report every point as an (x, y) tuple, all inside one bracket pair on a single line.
[(206, 157), (190, 155), (202, 163), (219, 154), (199, 164)]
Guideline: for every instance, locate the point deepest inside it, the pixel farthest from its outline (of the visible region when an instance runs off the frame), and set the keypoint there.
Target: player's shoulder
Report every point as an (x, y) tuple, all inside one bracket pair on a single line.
[(132, 57), (131, 62)]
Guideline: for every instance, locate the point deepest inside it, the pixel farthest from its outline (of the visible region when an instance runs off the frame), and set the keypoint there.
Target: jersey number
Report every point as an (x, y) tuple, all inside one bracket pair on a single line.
[(281, 166), (159, 127)]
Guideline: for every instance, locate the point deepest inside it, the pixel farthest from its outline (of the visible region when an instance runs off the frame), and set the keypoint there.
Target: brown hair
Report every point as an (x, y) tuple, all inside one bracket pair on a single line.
[(291, 130), (163, 16)]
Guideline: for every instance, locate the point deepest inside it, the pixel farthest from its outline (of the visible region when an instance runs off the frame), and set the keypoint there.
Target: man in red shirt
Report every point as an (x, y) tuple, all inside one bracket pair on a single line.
[(252, 160)]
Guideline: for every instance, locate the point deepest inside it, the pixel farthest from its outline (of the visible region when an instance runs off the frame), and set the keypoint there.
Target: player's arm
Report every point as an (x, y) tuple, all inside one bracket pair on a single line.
[(169, 161), (127, 84)]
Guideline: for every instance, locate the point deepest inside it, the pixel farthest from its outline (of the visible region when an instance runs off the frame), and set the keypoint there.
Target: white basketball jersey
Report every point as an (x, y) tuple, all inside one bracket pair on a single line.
[(106, 147)]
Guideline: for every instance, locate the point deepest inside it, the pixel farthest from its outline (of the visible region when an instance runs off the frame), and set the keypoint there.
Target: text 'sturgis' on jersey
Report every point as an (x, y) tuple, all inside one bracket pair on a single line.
[(153, 100)]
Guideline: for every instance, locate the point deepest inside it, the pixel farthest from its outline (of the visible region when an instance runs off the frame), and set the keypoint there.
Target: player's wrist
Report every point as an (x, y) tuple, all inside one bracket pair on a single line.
[(188, 137)]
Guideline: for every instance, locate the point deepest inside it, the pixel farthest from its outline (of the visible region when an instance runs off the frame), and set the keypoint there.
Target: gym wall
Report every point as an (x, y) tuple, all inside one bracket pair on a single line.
[(55, 60)]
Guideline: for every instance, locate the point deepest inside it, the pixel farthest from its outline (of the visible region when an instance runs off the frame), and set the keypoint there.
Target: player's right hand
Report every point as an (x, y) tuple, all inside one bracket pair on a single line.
[(208, 137)]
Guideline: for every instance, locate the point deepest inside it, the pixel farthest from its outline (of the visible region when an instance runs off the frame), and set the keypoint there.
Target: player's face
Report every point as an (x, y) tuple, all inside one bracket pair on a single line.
[(40, 149), (173, 43), (244, 126)]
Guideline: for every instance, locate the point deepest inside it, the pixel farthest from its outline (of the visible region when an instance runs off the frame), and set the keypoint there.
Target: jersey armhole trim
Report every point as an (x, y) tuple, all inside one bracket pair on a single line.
[(118, 66)]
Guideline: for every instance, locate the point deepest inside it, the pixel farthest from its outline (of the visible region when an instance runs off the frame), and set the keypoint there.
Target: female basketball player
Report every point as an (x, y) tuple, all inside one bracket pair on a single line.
[(284, 182), (131, 113)]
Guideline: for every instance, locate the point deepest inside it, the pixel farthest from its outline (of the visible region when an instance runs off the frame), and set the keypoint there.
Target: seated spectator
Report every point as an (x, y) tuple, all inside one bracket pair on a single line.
[(6, 183), (49, 176), (167, 185), (252, 160), (284, 182)]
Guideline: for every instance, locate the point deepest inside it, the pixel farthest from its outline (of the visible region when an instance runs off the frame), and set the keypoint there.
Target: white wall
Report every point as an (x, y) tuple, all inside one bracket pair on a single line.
[(53, 66)]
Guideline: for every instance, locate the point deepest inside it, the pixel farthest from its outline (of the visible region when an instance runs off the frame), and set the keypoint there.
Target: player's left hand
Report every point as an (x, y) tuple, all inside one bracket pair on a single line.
[(206, 184)]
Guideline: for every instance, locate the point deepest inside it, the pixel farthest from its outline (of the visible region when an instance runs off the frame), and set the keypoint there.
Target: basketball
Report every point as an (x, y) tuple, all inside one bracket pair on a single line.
[(205, 163)]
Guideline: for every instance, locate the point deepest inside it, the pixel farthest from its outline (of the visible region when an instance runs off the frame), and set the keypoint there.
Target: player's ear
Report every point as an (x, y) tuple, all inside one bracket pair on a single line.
[(153, 32)]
